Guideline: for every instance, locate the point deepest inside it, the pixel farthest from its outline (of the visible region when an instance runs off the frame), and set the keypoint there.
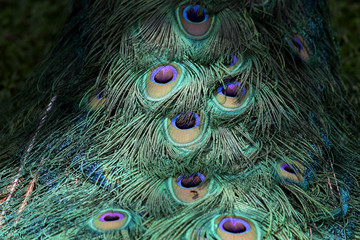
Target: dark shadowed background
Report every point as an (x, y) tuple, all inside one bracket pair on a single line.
[(29, 27)]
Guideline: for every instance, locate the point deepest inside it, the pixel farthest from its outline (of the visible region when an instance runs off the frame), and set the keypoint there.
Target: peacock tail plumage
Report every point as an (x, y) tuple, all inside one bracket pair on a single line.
[(206, 119)]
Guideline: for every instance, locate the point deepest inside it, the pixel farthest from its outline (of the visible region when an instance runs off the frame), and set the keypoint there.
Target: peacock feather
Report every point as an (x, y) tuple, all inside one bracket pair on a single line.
[(206, 119)]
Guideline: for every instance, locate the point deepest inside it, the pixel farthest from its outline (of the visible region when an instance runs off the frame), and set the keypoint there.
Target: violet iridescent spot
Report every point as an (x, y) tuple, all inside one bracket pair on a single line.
[(192, 181), (111, 217), (100, 94), (186, 121), (234, 226), (297, 44), (234, 60), (285, 167), (164, 74), (231, 89)]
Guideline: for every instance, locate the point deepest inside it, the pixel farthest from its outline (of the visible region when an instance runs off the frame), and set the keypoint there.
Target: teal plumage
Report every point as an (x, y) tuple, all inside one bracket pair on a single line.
[(185, 120)]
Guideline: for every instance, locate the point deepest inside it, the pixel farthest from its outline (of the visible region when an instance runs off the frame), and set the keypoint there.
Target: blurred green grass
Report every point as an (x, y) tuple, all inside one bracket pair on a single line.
[(28, 28), (346, 23)]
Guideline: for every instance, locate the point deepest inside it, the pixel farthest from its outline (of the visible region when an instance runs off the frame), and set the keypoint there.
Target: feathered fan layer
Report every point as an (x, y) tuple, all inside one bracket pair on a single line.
[(185, 120)]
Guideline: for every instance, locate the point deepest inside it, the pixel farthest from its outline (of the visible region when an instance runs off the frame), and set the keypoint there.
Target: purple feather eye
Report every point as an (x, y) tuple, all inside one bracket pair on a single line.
[(144, 214), (100, 94), (110, 220), (232, 89), (194, 21), (286, 167), (161, 80), (96, 101), (297, 44), (192, 14), (232, 96), (192, 181), (188, 189), (234, 225), (186, 129), (233, 59), (186, 121), (111, 217), (300, 47), (164, 74), (290, 172), (235, 228)]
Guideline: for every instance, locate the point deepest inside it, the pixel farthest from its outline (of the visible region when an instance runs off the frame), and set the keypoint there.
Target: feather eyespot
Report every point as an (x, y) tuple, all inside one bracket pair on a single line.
[(231, 90), (291, 172), (186, 121), (194, 21), (98, 100), (235, 61), (192, 181), (300, 47), (164, 74), (187, 189), (185, 129), (285, 167), (235, 228), (193, 14), (101, 94), (111, 217), (110, 220), (162, 80), (232, 96)]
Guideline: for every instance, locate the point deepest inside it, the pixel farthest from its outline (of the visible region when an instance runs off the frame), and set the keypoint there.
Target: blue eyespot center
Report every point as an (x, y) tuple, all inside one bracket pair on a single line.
[(232, 89), (192, 14), (297, 44), (234, 60), (100, 94), (164, 74), (186, 121), (287, 168), (192, 181), (111, 217), (234, 225)]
